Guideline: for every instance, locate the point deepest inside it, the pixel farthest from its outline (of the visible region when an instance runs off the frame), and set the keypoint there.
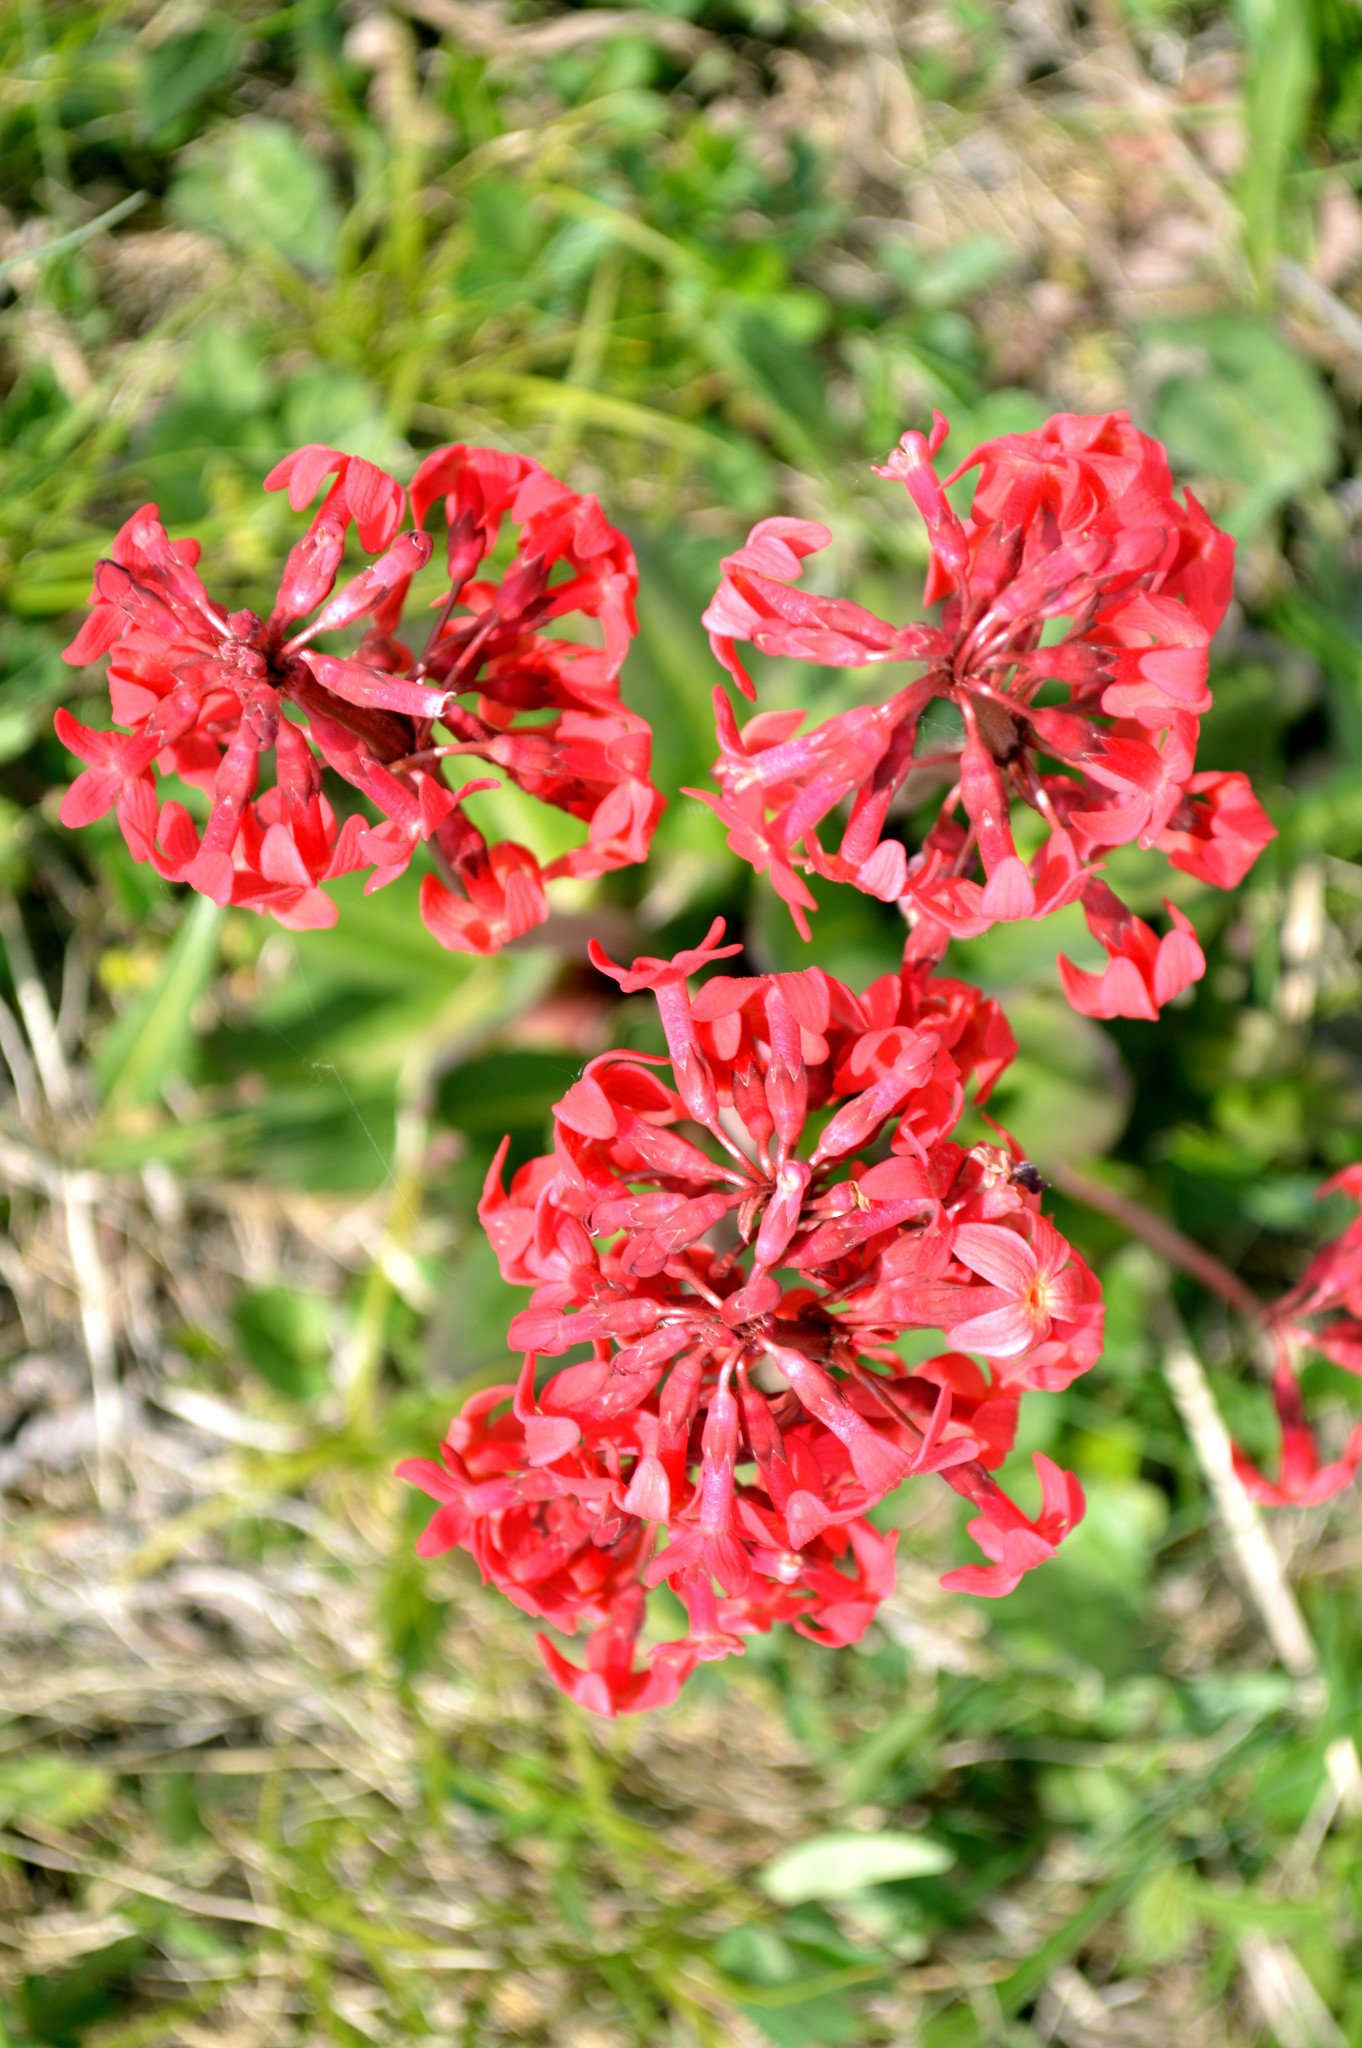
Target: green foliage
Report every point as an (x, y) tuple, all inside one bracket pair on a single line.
[(152, 1039), (51, 1789), (286, 1336), (1243, 408), (257, 185), (181, 72), (1281, 82), (838, 1866)]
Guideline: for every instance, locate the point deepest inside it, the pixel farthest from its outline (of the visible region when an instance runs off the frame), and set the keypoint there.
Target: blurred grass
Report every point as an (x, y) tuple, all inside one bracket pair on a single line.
[(264, 1778)]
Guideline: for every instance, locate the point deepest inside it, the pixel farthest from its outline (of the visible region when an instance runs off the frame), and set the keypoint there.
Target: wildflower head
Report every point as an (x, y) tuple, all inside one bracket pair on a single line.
[(247, 713), (1078, 600), (1322, 1313), (728, 1244)]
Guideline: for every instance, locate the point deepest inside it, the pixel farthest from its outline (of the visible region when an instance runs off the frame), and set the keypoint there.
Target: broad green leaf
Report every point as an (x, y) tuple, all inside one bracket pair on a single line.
[(507, 1089), (61, 2005), (339, 408), (1087, 1601), (466, 1335), (1249, 1911), (357, 1007), (786, 1988), (331, 1134), (175, 1801), (1160, 1921), (181, 71), (1226, 1696), (1331, 636), (286, 1335), (1237, 405), (671, 671), (510, 813), (775, 371), (256, 183), (412, 1617), (228, 368), (834, 1866)]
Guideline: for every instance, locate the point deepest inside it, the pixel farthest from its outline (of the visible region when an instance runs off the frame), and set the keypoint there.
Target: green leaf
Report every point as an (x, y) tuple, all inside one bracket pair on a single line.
[(835, 1866), (337, 407), (228, 368), (183, 70), (792, 2004), (1277, 104), (1236, 404), (286, 1335), (466, 1336), (1088, 1601), (61, 2007), (945, 278), (49, 1788), (1327, 633), (1160, 1922), (1251, 1911), (1067, 1094), (175, 1801), (256, 184), (671, 670), (150, 1042), (34, 682), (412, 1619), (509, 1089), (776, 372)]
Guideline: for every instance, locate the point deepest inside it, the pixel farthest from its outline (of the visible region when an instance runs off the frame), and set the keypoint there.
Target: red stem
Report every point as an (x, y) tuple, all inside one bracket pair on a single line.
[(1164, 1238)]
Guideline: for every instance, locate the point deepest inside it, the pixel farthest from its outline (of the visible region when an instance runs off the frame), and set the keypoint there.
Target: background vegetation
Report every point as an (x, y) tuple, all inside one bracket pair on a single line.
[(263, 1779)]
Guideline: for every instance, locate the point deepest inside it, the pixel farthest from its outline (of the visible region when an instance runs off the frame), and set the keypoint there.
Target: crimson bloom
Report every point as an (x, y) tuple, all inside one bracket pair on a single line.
[(1322, 1312), (1143, 971), (729, 1244), (1078, 603), (249, 711)]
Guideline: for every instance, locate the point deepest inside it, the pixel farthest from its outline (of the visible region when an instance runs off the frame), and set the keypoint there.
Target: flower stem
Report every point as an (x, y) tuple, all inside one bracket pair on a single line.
[(1162, 1237)]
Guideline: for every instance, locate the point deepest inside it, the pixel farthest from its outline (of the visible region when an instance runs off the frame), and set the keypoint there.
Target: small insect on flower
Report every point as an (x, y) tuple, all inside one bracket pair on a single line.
[(731, 1244), (1078, 601), (248, 712)]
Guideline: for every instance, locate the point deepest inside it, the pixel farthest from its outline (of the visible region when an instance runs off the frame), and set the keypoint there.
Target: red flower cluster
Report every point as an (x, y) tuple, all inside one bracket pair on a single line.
[(1078, 605), (736, 1246), (208, 696), (1323, 1313), (727, 1244)]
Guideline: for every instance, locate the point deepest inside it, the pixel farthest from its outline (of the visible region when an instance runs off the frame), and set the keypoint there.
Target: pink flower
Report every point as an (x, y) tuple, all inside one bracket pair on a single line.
[(1036, 1280), (1301, 1479), (1015, 1544), (1077, 571), (1322, 1312), (207, 697), (1145, 971), (1218, 831), (362, 491)]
